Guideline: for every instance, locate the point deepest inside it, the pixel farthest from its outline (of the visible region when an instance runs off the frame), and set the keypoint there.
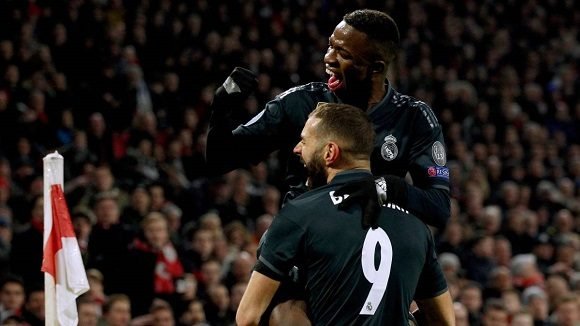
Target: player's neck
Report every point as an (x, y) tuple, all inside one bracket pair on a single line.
[(378, 93), (354, 165)]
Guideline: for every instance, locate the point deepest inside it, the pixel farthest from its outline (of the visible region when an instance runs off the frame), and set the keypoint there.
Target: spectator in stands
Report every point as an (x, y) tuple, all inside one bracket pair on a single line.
[(88, 310), (116, 311), (6, 235), (567, 312), (461, 314), (500, 280), (202, 249), (153, 266), (536, 301), (512, 302), (556, 288), (218, 309), (33, 311), (240, 269), (96, 291), (12, 297), (525, 271), (83, 221), (236, 293), (103, 182), (162, 315), (522, 318), (210, 274), (139, 206), (26, 259), (502, 251), (108, 243), (479, 263), (452, 239), (100, 139), (494, 314), (263, 222), (471, 297), (195, 314)]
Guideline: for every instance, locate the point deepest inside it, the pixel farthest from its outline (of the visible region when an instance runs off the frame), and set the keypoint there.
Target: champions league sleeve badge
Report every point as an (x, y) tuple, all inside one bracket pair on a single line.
[(439, 155), (389, 149)]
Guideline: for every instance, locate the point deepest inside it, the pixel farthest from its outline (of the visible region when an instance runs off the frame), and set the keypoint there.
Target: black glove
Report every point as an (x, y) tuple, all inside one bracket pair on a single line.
[(395, 190), (240, 84), (364, 193)]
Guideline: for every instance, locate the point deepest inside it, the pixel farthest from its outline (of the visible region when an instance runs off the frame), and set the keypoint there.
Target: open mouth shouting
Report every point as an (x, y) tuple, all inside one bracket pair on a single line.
[(335, 81)]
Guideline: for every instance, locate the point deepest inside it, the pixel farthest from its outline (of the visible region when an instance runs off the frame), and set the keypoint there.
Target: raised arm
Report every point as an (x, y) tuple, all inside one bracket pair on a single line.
[(220, 140), (230, 146)]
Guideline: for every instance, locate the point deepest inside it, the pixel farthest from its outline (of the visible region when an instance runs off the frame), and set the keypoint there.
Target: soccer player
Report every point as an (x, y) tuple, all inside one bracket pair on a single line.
[(357, 271), (408, 136)]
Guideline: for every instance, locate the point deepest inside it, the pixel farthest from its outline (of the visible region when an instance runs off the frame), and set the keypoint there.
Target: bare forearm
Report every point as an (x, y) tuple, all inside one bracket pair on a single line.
[(256, 299)]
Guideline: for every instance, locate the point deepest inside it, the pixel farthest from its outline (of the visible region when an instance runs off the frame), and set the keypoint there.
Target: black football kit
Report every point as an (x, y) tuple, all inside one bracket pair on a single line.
[(409, 139), (352, 275)]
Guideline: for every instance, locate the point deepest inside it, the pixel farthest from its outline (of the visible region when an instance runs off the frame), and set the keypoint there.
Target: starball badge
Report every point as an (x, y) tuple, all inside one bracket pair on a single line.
[(439, 155)]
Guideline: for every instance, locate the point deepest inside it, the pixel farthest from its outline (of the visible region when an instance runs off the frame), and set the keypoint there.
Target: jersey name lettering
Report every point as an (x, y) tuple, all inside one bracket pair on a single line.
[(337, 199), (393, 206)]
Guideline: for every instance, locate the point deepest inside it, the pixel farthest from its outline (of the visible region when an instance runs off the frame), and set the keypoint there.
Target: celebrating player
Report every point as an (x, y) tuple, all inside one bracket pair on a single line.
[(409, 137), (357, 271)]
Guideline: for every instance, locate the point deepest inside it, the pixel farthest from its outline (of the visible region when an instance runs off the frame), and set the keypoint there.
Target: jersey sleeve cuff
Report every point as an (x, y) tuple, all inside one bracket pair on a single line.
[(263, 266)]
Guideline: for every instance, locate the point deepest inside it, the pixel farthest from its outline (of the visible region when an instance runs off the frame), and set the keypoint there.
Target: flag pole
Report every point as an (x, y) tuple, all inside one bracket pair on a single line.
[(64, 272), (53, 174)]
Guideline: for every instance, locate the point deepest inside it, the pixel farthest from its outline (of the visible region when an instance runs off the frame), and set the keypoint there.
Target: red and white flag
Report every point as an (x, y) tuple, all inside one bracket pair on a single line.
[(65, 277)]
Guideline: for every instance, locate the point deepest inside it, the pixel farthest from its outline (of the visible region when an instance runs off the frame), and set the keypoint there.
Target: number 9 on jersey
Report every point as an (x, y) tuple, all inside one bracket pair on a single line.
[(377, 276)]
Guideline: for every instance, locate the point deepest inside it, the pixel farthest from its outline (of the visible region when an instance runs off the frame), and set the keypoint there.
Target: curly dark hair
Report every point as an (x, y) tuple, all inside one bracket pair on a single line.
[(379, 27)]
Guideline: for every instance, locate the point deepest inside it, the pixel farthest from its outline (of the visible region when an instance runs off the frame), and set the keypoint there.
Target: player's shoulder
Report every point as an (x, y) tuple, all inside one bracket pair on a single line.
[(420, 109), (400, 216), (311, 198), (310, 89), (309, 202)]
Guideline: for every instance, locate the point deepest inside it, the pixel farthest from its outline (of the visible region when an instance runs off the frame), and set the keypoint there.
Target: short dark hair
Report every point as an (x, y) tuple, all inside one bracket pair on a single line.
[(379, 27), (114, 298), (494, 304), (12, 278), (349, 124)]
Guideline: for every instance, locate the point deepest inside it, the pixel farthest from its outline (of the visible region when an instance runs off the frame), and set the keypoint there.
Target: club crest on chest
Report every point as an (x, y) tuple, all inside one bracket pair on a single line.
[(389, 149)]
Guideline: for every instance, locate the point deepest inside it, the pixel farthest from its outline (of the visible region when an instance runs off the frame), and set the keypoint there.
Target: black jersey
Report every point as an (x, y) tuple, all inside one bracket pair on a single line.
[(353, 276), (409, 139)]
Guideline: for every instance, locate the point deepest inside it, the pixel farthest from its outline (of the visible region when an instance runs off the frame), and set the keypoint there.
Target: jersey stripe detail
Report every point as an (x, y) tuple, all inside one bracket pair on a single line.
[(270, 266)]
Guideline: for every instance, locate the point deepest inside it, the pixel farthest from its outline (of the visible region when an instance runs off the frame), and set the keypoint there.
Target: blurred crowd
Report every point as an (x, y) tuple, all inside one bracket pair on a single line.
[(121, 89)]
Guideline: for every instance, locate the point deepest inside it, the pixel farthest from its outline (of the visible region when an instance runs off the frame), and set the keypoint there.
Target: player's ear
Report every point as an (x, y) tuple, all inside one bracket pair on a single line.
[(332, 153)]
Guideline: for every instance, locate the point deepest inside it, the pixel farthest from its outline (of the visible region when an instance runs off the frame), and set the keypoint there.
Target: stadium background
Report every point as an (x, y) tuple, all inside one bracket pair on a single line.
[(122, 88)]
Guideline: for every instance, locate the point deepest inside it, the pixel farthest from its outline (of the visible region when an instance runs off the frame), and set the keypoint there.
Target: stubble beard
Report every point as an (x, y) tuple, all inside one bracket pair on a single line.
[(317, 174)]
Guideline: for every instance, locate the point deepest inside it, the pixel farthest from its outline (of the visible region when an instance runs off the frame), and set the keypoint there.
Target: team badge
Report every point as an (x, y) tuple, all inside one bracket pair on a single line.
[(389, 149), (439, 155)]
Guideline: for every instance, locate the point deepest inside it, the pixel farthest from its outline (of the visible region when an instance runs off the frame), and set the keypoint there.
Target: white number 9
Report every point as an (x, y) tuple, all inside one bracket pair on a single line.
[(378, 277)]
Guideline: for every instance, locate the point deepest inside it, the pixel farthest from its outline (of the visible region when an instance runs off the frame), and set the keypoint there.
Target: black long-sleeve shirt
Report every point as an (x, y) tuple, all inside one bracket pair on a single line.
[(409, 140)]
